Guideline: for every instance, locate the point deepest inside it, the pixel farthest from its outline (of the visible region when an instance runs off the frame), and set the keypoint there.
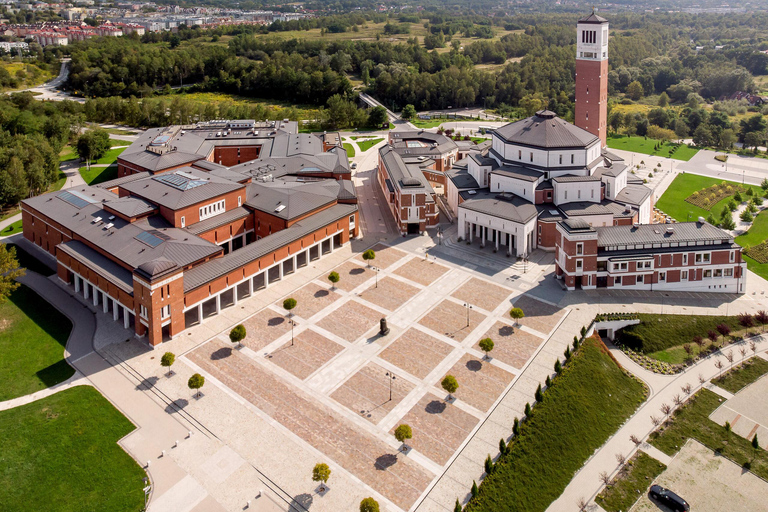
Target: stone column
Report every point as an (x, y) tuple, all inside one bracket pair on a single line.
[(115, 310), (105, 305), (200, 313), (77, 283), (234, 294), (483, 235), (497, 240), (85, 289), (510, 243), (95, 296), (218, 304), (471, 232), (126, 318)]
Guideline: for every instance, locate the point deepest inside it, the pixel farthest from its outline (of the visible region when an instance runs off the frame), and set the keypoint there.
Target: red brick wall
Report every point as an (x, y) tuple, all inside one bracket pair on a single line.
[(233, 155), (547, 237), (591, 109)]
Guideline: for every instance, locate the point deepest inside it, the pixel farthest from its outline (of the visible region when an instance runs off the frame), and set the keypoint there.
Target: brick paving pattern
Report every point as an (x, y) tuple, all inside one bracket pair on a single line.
[(351, 321), (450, 319), (385, 256), (480, 383), (438, 427), (376, 464), (416, 352), (351, 276), (420, 271), (539, 316), (367, 392), (311, 299), (309, 352), (390, 294), (263, 328), (511, 345), (482, 293)]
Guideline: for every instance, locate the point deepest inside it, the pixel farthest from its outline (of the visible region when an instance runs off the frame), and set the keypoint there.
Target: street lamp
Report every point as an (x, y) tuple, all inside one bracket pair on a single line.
[(376, 273), (292, 324), (468, 307), (391, 377)]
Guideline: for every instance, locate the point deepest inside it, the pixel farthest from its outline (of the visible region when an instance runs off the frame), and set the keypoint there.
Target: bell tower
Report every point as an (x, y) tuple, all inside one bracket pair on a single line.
[(592, 75)]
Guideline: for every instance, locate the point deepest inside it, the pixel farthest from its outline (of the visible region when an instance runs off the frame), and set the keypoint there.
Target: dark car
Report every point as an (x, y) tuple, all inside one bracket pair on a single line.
[(668, 498)]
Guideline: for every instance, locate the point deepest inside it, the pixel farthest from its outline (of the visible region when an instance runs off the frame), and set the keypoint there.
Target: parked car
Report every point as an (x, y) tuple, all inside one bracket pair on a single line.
[(668, 498), (354, 165)]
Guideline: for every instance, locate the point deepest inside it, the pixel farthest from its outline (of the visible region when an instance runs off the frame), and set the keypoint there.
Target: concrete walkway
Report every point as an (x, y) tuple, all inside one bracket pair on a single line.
[(75, 380)]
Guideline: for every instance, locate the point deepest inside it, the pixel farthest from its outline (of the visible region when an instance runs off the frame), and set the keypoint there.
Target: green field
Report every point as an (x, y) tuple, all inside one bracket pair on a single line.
[(662, 336), (98, 175), (11, 229), (60, 454), (365, 145), (636, 476), (673, 203), (646, 146), (742, 375), (692, 421), (585, 405), (757, 234), (32, 341), (350, 149), (429, 123)]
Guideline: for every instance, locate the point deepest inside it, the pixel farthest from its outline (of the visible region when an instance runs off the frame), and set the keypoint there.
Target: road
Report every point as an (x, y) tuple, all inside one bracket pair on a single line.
[(51, 90)]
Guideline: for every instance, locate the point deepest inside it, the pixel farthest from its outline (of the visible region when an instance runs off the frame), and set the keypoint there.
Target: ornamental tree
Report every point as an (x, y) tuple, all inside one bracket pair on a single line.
[(237, 334), (369, 505), (486, 345), (450, 384), (167, 361), (516, 314), (321, 473), (403, 433), (333, 277), (289, 304), (196, 382), (369, 255)]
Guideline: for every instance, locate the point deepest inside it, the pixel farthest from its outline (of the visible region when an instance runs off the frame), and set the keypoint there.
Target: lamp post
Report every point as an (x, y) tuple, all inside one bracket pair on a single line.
[(376, 272), (468, 307), (292, 324), (391, 377)]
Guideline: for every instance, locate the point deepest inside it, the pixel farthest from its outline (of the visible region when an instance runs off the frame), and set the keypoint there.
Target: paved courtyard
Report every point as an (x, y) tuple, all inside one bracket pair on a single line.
[(708, 482), (747, 411), (336, 385)]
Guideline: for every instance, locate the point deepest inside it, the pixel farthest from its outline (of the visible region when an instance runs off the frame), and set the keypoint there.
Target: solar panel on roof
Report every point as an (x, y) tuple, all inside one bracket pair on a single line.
[(77, 202), (179, 181), (148, 239)]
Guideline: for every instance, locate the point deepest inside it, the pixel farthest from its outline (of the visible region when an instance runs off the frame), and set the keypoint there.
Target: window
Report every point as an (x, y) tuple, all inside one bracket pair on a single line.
[(707, 274), (579, 264), (183, 222), (561, 159), (640, 279), (143, 311), (732, 256), (684, 275), (718, 272), (617, 280), (578, 193), (239, 201), (579, 249), (593, 193), (531, 156), (662, 276), (566, 194), (622, 266), (685, 259), (166, 311), (647, 264), (539, 228), (729, 272), (212, 209), (571, 158), (519, 154)]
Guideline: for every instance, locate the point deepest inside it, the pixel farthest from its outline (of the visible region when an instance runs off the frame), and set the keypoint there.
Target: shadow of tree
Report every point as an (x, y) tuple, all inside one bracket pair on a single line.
[(507, 330), (176, 405), (302, 502), (272, 322), (474, 365), (321, 293), (222, 353), (147, 383), (385, 461), (435, 407), (55, 373), (356, 271)]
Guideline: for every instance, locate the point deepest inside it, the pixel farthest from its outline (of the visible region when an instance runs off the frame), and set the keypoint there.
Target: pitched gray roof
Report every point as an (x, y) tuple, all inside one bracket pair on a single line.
[(584, 208), (546, 130), (119, 181), (593, 18), (633, 194), (506, 206), (130, 206), (402, 174), (520, 173), (156, 190), (206, 272), (575, 179), (290, 199), (106, 268), (682, 232), (431, 143), (218, 220)]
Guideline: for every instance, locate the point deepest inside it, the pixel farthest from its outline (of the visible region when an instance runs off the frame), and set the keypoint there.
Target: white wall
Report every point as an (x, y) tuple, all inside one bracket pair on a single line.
[(479, 172), (595, 220), (520, 231), (576, 191), (521, 188)]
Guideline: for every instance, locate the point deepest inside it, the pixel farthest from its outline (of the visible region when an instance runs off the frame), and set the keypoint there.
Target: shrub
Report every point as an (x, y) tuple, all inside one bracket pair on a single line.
[(488, 464), (746, 216), (558, 366), (167, 361), (527, 410), (369, 255), (333, 277), (369, 505), (289, 304), (450, 384), (737, 197), (539, 395)]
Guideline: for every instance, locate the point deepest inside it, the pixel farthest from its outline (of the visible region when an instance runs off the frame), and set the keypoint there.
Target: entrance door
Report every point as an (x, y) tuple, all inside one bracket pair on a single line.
[(413, 228)]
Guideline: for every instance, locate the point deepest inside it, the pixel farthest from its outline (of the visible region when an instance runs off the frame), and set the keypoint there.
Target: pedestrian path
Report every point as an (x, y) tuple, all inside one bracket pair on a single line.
[(78, 379)]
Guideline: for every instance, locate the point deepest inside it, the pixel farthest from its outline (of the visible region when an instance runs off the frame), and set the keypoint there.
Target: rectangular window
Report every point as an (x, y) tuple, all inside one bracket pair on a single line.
[(566, 194), (707, 273), (729, 272), (239, 201), (531, 156), (212, 209), (617, 280), (579, 264), (685, 259), (732, 256), (183, 222), (143, 311), (519, 154), (578, 194), (579, 249), (571, 158), (166, 311), (662, 276), (640, 279), (539, 229), (702, 257), (718, 272), (623, 266), (684, 275), (561, 159)]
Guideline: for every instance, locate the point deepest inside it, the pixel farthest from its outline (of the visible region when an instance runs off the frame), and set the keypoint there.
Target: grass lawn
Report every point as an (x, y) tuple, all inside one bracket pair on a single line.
[(32, 339), (365, 145), (11, 229), (585, 405), (429, 123), (631, 483), (98, 175), (61, 454), (692, 421), (350, 149), (673, 203), (742, 375), (646, 146), (757, 234), (67, 153), (110, 156), (663, 336)]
